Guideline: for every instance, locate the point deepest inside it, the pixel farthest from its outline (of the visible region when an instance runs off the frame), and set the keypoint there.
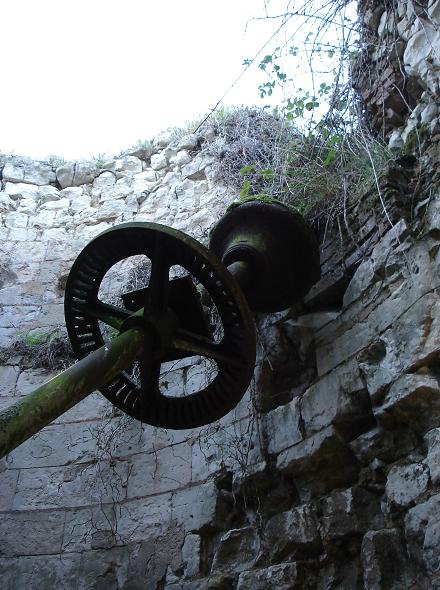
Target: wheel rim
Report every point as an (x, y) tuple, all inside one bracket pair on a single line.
[(165, 247)]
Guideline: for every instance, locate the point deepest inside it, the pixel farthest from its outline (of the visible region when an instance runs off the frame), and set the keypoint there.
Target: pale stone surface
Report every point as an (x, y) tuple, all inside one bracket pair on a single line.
[(283, 426), (16, 220), (283, 576), (384, 561), (31, 572), (244, 542), (8, 379), (339, 398), (76, 173), (31, 533), (292, 531), (159, 472), (27, 170), (350, 511), (158, 161), (195, 507), (191, 556), (324, 453), (432, 439), (405, 483), (413, 400)]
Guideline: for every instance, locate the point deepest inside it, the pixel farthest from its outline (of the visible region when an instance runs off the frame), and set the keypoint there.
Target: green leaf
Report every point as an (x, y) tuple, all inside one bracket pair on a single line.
[(247, 169), (245, 189)]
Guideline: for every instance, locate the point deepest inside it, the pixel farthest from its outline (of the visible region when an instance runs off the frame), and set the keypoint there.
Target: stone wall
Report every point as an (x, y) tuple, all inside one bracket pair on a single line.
[(326, 476)]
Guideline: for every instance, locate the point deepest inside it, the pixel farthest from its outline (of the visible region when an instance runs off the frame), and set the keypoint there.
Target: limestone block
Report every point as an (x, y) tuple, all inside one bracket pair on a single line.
[(405, 483), (382, 27), (292, 532), (385, 445), (105, 182), (163, 139), (320, 463), (72, 192), (109, 210), (79, 203), (128, 163), (282, 427), (55, 205), (432, 439), (140, 520), (395, 142), (15, 317), (233, 446), (89, 528), (145, 181), (28, 206), (338, 398), (17, 190), (48, 193), (44, 219), (420, 57), (191, 556), (195, 507), (16, 220), (195, 170), (71, 486), (244, 542), (189, 142), (8, 484), (413, 400), (429, 113), (384, 561), (34, 572), (31, 533), (153, 473), (20, 234), (171, 179), (417, 520), (55, 445), (8, 379), (386, 254), (85, 216), (181, 158), (283, 576), (434, 11), (27, 170), (346, 512), (76, 173), (6, 203), (343, 575), (159, 161), (410, 341)]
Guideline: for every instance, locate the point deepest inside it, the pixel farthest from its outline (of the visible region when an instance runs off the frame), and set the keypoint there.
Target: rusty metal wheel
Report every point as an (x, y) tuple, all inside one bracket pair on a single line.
[(168, 325)]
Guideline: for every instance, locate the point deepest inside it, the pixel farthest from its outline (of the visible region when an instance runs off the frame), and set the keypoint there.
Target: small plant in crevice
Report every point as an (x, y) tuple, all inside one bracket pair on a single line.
[(49, 350)]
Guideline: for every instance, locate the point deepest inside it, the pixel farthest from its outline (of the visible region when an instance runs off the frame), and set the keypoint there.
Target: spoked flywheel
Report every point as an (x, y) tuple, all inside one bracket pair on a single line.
[(170, 314)]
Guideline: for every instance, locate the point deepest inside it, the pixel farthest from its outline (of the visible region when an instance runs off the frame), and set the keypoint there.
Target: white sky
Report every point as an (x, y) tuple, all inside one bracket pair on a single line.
[(84, 77)]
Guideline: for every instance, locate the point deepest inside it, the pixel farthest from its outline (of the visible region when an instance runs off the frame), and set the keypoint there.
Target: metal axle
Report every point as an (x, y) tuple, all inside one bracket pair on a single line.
[(46, 403)]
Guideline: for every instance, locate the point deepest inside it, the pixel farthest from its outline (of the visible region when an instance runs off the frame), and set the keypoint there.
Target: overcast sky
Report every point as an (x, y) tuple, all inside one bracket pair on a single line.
[(85, 77)]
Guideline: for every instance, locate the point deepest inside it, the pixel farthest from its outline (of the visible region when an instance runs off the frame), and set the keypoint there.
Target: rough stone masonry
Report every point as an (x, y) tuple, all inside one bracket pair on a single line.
[(327, 474)]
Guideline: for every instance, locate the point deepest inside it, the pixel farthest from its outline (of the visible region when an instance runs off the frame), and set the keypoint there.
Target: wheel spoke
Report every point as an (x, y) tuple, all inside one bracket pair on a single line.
[(189, 342), (157, 293), (108, 314), (150, 374)]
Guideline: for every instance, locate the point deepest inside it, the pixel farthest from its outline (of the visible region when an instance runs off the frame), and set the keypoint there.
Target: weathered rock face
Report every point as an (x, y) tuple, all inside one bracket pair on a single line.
[(327, 474)]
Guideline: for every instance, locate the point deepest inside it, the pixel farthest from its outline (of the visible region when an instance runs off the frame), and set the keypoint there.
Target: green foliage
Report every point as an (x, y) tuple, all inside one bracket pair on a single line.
[(310, 150), (261, 155)]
